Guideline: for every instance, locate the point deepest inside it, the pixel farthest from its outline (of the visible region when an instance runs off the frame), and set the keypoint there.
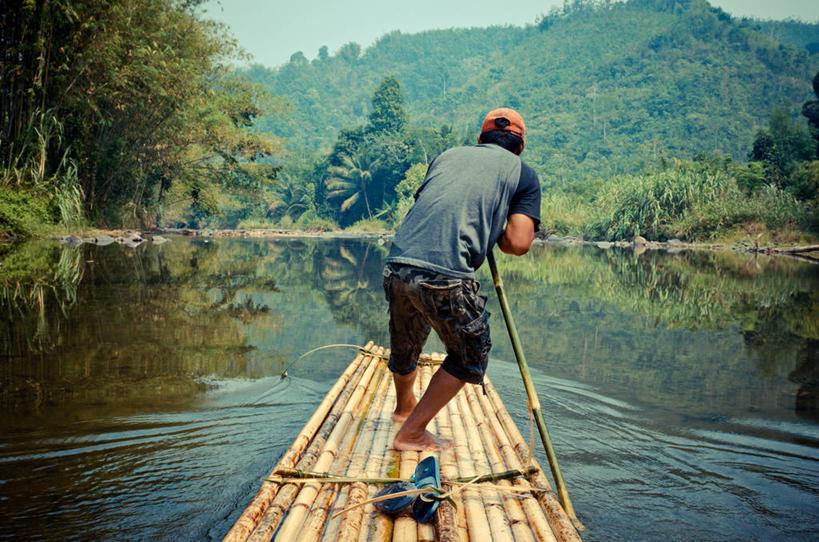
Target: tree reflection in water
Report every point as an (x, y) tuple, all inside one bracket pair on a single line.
[(112, 324), (125, 324)]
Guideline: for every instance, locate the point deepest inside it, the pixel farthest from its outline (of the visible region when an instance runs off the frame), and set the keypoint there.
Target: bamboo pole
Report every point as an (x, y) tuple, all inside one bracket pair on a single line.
[(512, 506), (493, 504), (454, 471), (316, 521), (450, 522), (340, 464), (559, 520), (534, 512), (404, 527), (348, 459), (297, 512), (383, 524), (379, 459), (272, 517), (362, 464), (247, 521), (531, 392), (426, 532), (477, 522), (318, 515), (296, 476)]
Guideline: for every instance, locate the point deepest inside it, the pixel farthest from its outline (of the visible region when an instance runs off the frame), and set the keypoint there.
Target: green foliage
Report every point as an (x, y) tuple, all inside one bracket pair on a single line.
[(369, 225), (143, 91), (24, 211), (561, 212), (804, 181), (292, 197), (690, 201), (405, 193), (350, 183), (780, 147), (368, 162), (810, 109), (388, 114), (606, 88)]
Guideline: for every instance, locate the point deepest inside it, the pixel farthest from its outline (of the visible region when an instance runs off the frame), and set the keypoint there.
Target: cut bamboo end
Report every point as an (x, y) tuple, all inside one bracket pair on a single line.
[(350, 435)]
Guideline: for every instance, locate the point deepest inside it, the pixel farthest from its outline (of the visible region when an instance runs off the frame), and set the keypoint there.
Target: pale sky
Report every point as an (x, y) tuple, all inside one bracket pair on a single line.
[(272, 30)]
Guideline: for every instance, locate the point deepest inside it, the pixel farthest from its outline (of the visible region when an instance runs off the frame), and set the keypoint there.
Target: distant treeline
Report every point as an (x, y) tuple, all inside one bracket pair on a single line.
[(368, 180), (665, 118), (640, 115), (605, 87)]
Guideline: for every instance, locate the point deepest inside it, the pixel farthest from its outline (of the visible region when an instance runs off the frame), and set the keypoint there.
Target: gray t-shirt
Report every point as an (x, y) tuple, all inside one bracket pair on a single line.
[(461, 209)]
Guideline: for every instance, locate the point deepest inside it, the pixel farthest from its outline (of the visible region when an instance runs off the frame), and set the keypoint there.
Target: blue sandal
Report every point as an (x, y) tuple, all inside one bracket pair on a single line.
[(398, 504), (427, 474)]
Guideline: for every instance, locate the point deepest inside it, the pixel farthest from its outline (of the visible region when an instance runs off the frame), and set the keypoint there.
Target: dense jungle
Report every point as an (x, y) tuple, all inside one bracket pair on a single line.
[(661, 118)]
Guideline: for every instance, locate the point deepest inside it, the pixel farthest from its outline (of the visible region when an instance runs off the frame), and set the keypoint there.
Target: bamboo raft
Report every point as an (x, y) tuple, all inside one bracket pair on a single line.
[(349, 438)]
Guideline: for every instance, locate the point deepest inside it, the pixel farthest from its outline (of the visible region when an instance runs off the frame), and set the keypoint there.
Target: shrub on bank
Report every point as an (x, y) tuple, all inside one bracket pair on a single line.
[(689, 202), (369, 225), (25, 212), (563, 213)]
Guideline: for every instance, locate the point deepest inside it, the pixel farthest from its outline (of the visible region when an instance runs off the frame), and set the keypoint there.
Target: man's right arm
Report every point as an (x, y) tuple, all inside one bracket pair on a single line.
[(519, 234), (524, 214)]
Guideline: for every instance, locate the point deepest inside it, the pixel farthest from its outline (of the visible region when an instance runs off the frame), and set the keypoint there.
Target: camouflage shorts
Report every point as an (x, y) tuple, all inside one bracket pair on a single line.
[(421, 300)]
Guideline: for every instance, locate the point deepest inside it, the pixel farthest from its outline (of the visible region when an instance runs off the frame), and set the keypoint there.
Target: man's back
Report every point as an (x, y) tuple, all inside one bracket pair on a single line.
[(460, 210)]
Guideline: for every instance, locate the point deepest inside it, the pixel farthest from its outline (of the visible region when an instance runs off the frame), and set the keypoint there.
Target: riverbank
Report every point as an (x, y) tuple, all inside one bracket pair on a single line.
[(639, 245)]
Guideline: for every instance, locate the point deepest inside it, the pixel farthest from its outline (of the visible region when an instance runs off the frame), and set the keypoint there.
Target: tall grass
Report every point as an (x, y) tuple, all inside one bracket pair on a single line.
[(689, 202), (36, 190), (563, 213)]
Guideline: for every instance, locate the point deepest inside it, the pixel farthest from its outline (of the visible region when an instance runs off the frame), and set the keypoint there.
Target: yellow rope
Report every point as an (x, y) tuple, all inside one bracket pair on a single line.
[(439, 493), (531, 432), (361, 349)]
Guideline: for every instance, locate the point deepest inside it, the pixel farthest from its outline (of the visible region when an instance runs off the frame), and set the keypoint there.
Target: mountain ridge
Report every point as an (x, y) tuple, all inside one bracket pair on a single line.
[(605, 87)]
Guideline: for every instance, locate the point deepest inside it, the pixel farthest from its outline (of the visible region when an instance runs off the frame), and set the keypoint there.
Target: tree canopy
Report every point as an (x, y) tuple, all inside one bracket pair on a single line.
[(113, 104)]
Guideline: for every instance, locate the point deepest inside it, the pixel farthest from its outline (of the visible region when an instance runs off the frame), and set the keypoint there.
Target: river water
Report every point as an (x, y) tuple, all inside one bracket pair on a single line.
[(141, 398)]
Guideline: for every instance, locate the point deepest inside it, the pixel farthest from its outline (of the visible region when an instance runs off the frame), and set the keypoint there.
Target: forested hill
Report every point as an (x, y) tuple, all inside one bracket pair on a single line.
[(605, 87)]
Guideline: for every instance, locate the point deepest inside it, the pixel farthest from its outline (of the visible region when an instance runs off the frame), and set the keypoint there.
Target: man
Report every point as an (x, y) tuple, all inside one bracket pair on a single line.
[(467, 196)]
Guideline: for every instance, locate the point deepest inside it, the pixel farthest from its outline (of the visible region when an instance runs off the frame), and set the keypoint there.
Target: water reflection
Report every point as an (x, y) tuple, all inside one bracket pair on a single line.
[(699, 332), (116, 324), (117, 361)]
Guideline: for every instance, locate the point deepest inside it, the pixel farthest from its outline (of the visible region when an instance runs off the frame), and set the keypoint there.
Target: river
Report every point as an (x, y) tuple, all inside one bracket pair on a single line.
[(141, 397)]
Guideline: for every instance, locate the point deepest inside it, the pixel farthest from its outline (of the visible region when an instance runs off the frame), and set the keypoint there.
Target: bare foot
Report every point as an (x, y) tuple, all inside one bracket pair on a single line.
[(425, 442), (402, 412)]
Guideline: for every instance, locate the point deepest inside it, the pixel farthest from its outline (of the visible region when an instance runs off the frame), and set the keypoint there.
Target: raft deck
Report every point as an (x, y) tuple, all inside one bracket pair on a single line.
[(350, 435)]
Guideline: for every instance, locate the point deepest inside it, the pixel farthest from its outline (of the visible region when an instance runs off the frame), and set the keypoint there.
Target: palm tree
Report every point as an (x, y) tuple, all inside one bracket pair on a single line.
[(290, 198), (350, 182)]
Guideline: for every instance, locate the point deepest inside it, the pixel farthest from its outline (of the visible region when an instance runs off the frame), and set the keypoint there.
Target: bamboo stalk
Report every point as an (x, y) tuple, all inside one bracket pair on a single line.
[(294, 475), (383, 524), (343, 461), (493, 504), (247, 521), (559, 520), (404, 527), (318, 515), (379, 458), (426, 532), (531, 392), (534, 512), (361, 463), (270, 520), (450, 522), (449, 469), (512, 506), (477, 522), (295, 517), (331, 493)]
